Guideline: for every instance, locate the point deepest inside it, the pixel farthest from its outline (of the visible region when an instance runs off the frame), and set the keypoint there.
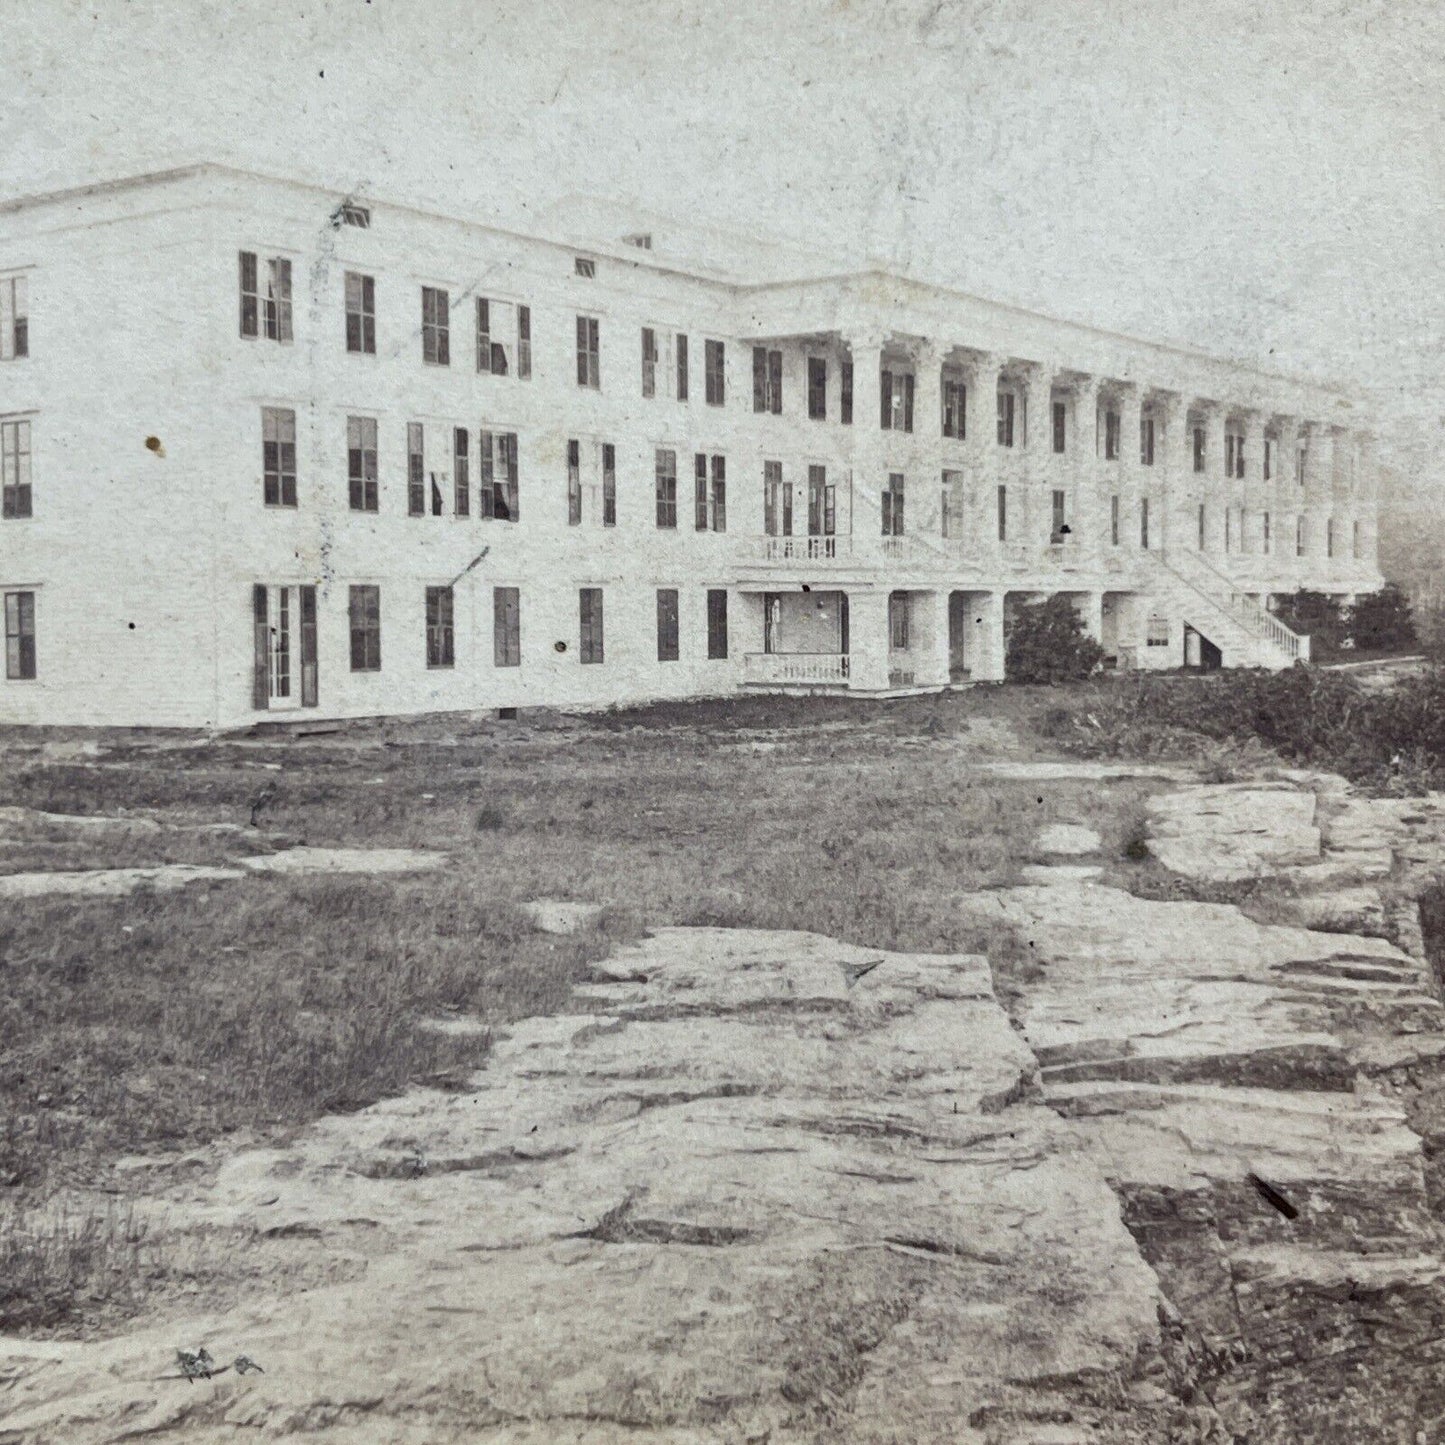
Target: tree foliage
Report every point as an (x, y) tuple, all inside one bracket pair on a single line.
[(1047, 643)]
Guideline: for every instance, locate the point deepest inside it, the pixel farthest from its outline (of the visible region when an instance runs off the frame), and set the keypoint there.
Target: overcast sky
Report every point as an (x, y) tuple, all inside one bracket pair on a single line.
[(1262, 178)]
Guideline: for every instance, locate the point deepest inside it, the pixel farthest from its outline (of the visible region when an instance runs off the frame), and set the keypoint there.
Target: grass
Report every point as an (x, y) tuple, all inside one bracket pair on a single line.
[(231, 1013)]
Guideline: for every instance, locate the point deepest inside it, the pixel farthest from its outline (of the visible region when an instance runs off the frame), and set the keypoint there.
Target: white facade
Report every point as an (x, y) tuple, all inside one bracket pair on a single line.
[(131, 567)]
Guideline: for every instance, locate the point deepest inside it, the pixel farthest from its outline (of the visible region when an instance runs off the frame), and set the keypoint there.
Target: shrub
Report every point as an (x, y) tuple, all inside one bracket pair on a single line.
[(1383, 622), (1047, 643), (1316, 614)]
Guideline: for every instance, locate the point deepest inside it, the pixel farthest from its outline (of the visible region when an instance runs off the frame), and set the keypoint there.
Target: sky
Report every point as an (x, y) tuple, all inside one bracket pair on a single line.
[(1264, 180)]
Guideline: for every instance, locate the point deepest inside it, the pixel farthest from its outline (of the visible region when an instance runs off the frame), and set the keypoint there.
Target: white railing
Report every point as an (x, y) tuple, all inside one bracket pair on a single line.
[(800, 549), (1219, 590), (806, 668)]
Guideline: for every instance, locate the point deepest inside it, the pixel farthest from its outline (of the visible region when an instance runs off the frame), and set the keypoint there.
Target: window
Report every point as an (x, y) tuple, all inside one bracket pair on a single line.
[(1003, 514), (951, 512), (955, 408), (20, 636), (440, 636), (361, 463), (1111, 436), (777, 501), (353, 215), (589, 600), (1146, 441), (898, 613), (1156, 631), (710, 494), (1058, 518), (278, 456), (767, 380), (1239, 455), (649, 361), (270, 300), (14, 318), (1203, 519), (609, 485), (1006, 404), (1299, 536), (584, 266), (717, 624), (1144, 523), (1228, 528), (1355, 540), (506, 627), (667, 643), (574, 483), (1301, 463), (817, 388), (1061, 413), (680, 347), (1233, 454), (713, 369), (1114, 520), (896, 397), (1199, 449), (461, 472), (589, 362), (1329, 537), (666, 469), (360, 313), (493, 355), (415, 470), (524, 342), (364, 613), (497, 491), (893, 505), (1264, 533), (1269, 448), (845, 389), (436, 344), (822, 503), (15, 469)]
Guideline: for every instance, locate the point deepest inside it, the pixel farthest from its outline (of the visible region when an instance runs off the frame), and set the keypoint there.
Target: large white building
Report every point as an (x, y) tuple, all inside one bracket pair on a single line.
[(267, 448)]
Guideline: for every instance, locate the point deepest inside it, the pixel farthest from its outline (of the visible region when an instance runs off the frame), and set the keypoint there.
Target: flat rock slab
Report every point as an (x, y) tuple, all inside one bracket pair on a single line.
[(1067, 839), (346, 860), (1228, 832), (555, 915), (773, 1187), (1054, 874)]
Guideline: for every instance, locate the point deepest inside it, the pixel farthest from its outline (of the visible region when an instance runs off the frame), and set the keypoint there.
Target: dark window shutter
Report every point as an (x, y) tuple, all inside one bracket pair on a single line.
[(260, 684), (309, 679), (775, 381), (885, 393), (908, 401), (700, 492), (719, 495), (760, 378)]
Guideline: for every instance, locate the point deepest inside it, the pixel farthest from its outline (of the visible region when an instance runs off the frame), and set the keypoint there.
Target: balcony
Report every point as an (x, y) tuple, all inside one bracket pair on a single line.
[(796, 669), (798, 549)]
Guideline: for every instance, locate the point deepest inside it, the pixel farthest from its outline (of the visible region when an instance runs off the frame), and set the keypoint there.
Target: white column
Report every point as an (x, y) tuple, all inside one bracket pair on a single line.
[(1036, 385), (1213, 489), (1129, 481), (986, 650), (1086, 524), (870, 463), (868, 638), (1174, 522), (926, 475), (981, 447), (1319, 467), (930, 627)]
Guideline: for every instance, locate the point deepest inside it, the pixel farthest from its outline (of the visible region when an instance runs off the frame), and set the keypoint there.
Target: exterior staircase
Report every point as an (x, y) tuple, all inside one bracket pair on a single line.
[(1246, 634)]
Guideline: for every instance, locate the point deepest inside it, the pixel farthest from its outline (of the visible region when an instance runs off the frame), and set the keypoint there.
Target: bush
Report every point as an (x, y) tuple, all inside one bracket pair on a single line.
[(1383, 622), (1317, 615), (1047, 643)]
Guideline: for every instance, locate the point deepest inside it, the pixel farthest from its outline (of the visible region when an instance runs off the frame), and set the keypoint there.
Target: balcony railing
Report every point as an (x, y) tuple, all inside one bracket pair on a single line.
[(819, 669), (800, 549)]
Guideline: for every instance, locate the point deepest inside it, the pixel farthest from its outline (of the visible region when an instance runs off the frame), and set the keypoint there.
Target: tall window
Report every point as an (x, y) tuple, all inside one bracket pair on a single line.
[(436, 343), (713, 356), (667, 639), (1006, 407), (524, 342), (717, 624), (899, 609), (574, 483), (666, 480), (461, 472), (20, 636), (1355, 540), (1199, 449), (1329, 537), (1002, 505), (777, 501), (415, 470), (440, 635), (1299, 536), (361, 463), (1144, 523), (278, 456), (822, 502), (506, 627), (1060, 413), (497, 484), (1228, 528), (364, 615), (1269, 450), (896, 399), (951, 511), (817, 388), (845, 393), (265, 297), (1058, 518), (14, 318), (649, 361), (589, 603), (1233, 454), (1267, 545), (1111, 436), (1114, 520), (360, 313), (680, 345), (15, 469), (893, 505), (491, 354), (589, 355), (710, 507), (609, 485), (955, 408), (1146, 441), (1203, 528), (767, 380)]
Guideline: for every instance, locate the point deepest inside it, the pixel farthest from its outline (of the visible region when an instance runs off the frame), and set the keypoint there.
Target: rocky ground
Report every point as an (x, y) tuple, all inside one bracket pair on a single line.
[(1174, 1181)]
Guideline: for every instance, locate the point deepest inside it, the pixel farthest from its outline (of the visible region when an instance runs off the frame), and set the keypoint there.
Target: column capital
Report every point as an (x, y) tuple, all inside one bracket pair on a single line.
[(1174, 404), (981, 361), (865, 341)]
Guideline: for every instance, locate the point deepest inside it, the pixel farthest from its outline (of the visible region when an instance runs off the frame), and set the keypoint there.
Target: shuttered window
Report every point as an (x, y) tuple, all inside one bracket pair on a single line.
[(609, 485), (364, 614), (590, 616), (649, 361), (265, 297), (415, 470), (506, 627), (681, 345), (817, 388), (436, 343), (893, 505), (360, 313), (589, 359), (574, 483), (714, 379), (767, 380), (361, 463), (717, 624), (440, 633), (666, 486), (278, 456), (20, 636), (461, 472), (16, 500), (667, 638)]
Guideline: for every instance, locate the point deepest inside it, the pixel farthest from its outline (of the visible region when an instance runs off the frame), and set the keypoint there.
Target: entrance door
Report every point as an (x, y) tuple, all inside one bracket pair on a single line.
[(285, 671), (822, 513), (957, 636)]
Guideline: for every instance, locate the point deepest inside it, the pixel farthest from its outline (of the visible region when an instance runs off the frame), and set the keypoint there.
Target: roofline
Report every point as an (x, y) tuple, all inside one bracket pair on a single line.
[(644, 260)]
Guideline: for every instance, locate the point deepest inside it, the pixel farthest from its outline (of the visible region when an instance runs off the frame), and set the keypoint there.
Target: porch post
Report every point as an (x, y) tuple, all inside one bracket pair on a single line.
[(868, 640), (985, 623), (1090, 607), (930, 619)]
